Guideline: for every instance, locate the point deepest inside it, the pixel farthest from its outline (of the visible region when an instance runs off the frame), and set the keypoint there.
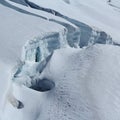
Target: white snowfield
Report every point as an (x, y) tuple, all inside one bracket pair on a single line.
[(70, 53)]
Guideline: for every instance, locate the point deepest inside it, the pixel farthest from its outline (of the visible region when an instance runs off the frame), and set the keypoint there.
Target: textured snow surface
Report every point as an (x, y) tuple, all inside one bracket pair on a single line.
[(88, 12), (86, 87), (115, 3), (68, 59)]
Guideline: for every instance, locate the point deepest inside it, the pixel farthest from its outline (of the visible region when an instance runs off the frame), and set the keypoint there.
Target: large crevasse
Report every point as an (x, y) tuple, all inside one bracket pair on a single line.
[(41, 47), (38, 51)]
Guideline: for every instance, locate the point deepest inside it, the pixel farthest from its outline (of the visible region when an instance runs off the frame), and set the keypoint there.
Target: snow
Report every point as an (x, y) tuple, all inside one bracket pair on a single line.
[(25, 28), (55, 79), (16, 29), (85, 87), (88, 80), (88, 12), (115, 3), (44, 45)]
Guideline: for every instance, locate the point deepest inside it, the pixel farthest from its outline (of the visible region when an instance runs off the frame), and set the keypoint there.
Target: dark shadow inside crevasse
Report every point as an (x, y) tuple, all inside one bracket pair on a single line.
[(42, 85), (37, 55)]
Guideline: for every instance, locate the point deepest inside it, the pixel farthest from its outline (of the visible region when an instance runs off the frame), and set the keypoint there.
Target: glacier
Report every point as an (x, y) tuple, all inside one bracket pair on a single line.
[(39, 48), (62, 62)]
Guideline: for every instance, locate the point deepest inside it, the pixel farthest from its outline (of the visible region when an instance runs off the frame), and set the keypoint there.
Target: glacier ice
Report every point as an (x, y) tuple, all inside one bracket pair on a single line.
[(39, 48), (38, 51)]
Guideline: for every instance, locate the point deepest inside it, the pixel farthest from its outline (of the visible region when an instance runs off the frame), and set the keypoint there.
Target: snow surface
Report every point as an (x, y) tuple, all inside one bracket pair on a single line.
[(86, 87), (115, 3), (86, 79), (88, 12)]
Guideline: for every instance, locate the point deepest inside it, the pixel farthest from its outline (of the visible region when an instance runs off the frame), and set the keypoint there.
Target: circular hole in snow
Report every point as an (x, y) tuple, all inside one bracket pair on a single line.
[(42, 85)]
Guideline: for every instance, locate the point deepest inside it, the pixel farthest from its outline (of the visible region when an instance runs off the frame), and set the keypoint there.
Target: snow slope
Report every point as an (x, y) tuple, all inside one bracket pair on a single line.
[(115, 3), (16, 29), (88, 12), (85, 80), (85, 87)]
